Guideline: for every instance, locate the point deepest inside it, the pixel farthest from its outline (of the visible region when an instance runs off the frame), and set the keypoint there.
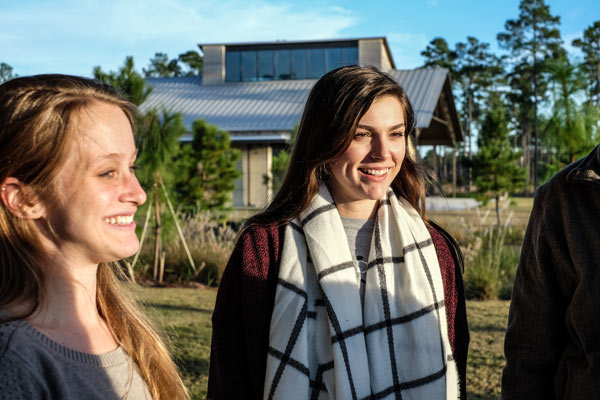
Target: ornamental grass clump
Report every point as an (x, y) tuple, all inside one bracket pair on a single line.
[(491, 255)]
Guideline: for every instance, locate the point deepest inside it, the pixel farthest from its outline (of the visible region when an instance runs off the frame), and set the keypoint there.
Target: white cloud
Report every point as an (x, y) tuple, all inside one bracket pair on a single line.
[(72, 34)]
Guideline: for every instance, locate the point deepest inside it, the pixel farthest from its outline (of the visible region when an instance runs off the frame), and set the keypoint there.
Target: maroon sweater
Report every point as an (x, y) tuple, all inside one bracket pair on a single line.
[(242, 315)]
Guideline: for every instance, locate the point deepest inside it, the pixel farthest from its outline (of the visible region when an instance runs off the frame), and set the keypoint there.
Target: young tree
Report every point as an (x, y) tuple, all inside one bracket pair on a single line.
[(531, 39), (158, 137), (496, 162), (211, 170), (6, 72), (590, 46), (128, 81)]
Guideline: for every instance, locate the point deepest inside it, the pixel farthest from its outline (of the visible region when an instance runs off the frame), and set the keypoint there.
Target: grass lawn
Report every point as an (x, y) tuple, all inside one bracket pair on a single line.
[(185, 316)]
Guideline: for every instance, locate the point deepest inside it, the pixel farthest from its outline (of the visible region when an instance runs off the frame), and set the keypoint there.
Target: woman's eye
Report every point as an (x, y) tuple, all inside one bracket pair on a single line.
[(398, 134), (359, 135), (109, 174), (133, 168)]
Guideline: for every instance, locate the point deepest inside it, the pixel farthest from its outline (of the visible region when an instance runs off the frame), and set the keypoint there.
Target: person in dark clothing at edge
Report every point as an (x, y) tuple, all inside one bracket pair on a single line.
[(552, 343), (342, 288)]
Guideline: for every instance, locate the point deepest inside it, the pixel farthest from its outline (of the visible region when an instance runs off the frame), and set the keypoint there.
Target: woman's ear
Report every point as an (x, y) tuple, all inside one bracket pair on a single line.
[(19, 200)]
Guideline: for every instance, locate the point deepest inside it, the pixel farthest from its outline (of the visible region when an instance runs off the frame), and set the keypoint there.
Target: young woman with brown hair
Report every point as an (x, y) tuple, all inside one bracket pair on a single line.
[(342, 288), (68, 194)]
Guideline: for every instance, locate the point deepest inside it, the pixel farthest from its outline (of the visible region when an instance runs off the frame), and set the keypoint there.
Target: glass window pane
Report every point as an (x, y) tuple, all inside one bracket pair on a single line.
[(299, 64), (316, 63), (350, 55), (249, 72), (265, 65), (333, 57), (232, 66), (282, 64)]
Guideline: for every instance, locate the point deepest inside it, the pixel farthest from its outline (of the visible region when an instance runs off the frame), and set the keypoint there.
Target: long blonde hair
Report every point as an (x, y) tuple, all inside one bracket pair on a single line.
[(36, 132)]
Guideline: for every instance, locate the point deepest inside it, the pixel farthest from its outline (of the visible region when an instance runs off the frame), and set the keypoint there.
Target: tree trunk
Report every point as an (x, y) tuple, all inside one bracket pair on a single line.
[(470, 111), (454, 171), (497, 211), (157, 241)]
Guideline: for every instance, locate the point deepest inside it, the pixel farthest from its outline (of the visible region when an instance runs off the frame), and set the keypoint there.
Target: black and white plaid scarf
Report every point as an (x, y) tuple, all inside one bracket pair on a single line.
[(321, 346)]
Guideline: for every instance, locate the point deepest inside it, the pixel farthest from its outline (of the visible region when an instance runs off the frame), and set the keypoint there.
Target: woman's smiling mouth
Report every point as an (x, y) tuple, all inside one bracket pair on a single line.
[(119, 220), (374, 172)]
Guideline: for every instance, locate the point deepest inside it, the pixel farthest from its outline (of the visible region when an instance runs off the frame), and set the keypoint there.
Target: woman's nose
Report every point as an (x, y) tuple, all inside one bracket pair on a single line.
[(380, 148), (134, 192)]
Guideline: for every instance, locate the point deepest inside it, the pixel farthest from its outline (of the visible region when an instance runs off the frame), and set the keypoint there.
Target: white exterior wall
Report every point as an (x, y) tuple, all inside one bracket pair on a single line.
[(371, 52), (213, 69), (250, 188)]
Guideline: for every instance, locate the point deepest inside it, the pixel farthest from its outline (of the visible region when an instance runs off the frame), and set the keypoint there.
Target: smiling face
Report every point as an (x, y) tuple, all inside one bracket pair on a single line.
[(96, 191), (362, 174)]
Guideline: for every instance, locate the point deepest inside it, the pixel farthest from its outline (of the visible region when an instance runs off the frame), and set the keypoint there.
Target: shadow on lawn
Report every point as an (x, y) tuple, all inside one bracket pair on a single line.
[(487, 328)]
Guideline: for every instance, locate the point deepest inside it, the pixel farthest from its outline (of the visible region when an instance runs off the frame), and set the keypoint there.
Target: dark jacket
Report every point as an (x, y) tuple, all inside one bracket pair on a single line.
[(245, 300), (552, 343)]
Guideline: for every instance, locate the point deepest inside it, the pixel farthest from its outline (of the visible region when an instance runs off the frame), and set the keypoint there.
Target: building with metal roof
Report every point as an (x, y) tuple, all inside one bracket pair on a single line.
[(257, 92)]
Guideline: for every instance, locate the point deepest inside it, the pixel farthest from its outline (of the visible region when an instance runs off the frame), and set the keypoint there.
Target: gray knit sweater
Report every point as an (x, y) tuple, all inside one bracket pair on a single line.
[(32, 366)]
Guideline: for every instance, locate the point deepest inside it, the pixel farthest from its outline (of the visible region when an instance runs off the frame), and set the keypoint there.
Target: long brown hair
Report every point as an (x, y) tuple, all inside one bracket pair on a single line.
[(334, 107), (37, 129)]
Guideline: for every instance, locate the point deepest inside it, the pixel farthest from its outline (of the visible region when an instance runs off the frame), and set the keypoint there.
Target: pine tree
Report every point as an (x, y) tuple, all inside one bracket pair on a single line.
[(590, 46), (127, 81), (496, 162), (532, 39), (211, 171), (6, 72)]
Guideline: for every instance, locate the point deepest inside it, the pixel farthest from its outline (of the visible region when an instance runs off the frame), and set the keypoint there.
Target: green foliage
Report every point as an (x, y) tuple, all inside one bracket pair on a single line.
[(127, 81), (160, 66), (496, 164), (209, 165), (571, 130), (158, 135), (438, 54), (186, 64), (193, 61), (6, 72), (590, 46)]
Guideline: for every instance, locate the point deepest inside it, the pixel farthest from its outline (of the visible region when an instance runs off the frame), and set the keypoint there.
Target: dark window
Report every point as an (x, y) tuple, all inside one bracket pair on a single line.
[(350, 55), (232, 66), (316, 63), (249, 72), (299, 67), (282, 64), (333, 56), (265, 65)]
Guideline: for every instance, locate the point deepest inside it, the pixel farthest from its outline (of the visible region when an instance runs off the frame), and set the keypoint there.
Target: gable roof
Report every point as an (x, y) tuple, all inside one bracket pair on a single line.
[(269, 110)]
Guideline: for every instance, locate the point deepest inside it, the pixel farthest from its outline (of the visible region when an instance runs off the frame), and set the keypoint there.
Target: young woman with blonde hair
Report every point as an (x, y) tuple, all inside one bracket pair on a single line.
[(68, 194), (342, 288)]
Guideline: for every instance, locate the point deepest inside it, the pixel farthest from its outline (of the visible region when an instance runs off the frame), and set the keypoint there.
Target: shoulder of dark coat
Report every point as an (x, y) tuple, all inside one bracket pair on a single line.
[(584, 170)]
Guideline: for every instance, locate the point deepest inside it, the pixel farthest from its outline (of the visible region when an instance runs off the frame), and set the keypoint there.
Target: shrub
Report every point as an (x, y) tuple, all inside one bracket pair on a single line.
[(210, 245), (491, 255)]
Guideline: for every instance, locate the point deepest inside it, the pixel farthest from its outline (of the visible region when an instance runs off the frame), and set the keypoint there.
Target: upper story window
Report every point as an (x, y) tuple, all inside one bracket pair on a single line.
[(281, 64)]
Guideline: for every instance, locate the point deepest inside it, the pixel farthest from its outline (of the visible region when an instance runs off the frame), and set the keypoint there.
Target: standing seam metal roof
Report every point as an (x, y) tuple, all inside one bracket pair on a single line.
[(272, 106)]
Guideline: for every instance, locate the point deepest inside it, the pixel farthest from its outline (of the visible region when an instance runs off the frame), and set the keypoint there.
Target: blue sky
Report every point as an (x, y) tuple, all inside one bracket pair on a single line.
[(73, 36)]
